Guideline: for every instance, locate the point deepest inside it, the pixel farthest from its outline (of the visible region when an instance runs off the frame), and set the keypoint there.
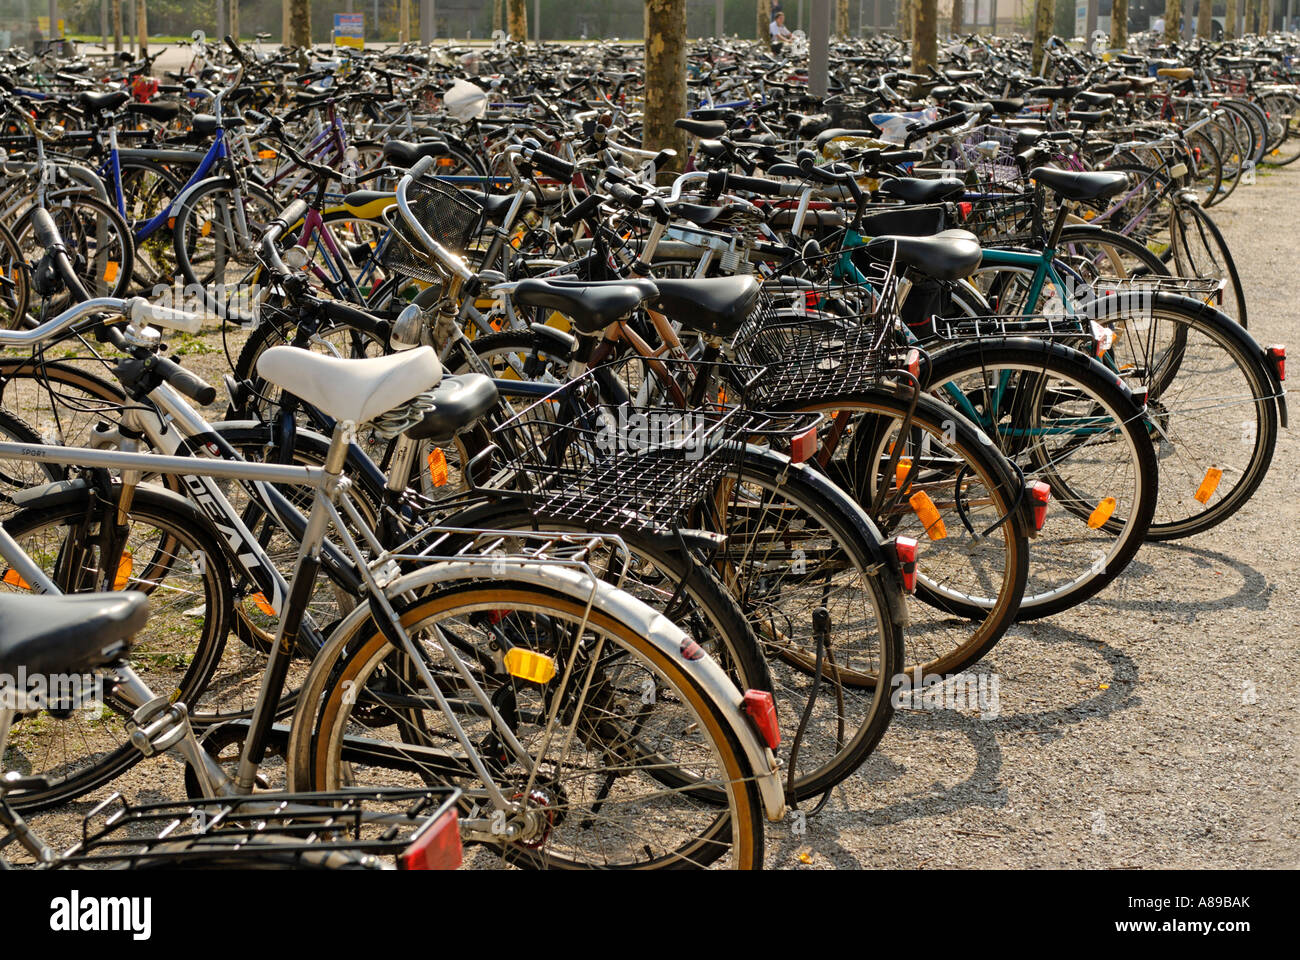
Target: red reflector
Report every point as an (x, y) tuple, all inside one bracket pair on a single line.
[(965, 207), (914, 362), (811, 299), (1278, 353), (758, 704), (905, 551), (438, 848), (496, 616), (804, 446), (1040, 493)]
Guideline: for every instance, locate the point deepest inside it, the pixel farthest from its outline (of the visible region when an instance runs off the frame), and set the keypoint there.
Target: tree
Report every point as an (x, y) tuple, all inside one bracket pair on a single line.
[(763, 17), (1173, 18), (403, 21), (498, 15), (906, 16), (1119, 23), (300, 23), (1044, 18), (842, 18), (234, 19), (665, 75), (142, 26), (117, 25), (1203, 17), (1230, 20), (517, 20), (925, 43), (958, 17)]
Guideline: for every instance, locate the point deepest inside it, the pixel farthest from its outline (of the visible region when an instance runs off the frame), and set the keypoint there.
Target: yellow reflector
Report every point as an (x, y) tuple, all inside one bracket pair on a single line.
[(124, 567), (110, 271), (928, 514), (517, 240), (11, 577), (528, 665), (438, 467), (266, 154), (266, 608), (1209, 485), (902, 470), (1102, 513), (206, 228)]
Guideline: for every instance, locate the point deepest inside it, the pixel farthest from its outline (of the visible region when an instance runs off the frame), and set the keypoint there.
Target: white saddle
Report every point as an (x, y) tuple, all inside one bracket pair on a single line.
[(357, 390)]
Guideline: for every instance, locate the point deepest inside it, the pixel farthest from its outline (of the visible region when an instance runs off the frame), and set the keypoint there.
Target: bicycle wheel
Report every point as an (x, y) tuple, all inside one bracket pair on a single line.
[(1210, 409), (168, 552), (148, 188), (1284, 106), (99, 242), (1199, 250), (600, 737), (15, 282), (974, 561), (1063, 419)]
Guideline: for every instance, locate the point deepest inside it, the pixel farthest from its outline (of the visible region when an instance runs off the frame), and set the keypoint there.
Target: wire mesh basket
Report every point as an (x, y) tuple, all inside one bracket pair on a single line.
[(990, 150), (830, 332), (1003, 213), (632, 445), (448, 215), (305, 828)]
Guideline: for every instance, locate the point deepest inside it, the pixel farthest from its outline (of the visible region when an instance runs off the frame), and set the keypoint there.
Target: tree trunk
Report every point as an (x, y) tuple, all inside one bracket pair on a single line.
[(762, 18), (117, 25), (1230, 20), (1203, 13), (300, 23), (403, 21), (842, 18), (1119, 23), (925, 43), (958, 17), (142, 26), (517, 20), (1173, 14), (498, 15), (665, 76), (1044, 19), (234, 19), (906, 15), (286, 27)]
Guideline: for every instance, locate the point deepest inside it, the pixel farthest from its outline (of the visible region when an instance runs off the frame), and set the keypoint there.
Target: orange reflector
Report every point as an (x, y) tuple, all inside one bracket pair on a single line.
[(1102, 513), (206, 228), (124, 567), (1209, 485), (438, 467), (928, 514), (902, 470), (110, 271), (11, 577), (529, 665), (266, 608), (446, 161), (171, 223), (266, 154)]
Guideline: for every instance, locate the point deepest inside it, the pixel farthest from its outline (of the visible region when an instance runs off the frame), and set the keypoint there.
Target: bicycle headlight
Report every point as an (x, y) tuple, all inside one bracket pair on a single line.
[(406, 328)]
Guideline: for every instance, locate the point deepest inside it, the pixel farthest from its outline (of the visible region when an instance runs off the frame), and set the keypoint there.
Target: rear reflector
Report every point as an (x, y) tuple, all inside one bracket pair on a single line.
[(905, 554), (1277, 354), (529, 665), (762, 711), (1039, 494), (438, 848), (914, 362), (804, 446)]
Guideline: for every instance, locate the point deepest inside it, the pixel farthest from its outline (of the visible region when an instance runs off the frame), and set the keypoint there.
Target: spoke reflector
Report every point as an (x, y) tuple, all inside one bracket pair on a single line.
[(260, 599), (124, 567), (1208, 485), (438, 467), (929, 515), (529, 665), (1102, 513), (11, 577)]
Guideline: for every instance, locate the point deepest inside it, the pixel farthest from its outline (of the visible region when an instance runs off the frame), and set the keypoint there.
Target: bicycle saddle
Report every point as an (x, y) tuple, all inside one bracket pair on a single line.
[(726, 215), (1054, 93), (497, 205), (458, 402), (348, 389), (949, 255), (369, 203), (905, 221), (716, 305), (1087, 117), (916, 190), (712, 129), (402, 153), (68, 634), (100, 102), (155, 111), (1080, 186), (826, 136), (1008, 106), (591, 305)]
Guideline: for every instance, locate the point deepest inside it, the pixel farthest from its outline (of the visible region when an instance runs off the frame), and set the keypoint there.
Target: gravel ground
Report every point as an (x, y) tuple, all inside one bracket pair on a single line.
[(1155, 726)]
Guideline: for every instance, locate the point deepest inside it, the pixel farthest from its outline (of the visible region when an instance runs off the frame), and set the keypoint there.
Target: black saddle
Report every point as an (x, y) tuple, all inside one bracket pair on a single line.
[(497, 205), (716, 305), (458, 402), (155, 111), (403, 153), (1008, 106), (68, 634), (949, 255), (1087, 118), (591, 305), (916, 190), (103, 102), (703, 216), (923, 221), (705, 129), (1080, 186), (1055, 93)]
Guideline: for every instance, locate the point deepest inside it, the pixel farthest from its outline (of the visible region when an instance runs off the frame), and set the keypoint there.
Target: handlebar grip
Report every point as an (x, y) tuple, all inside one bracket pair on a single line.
[(582, 211), (142, 310), (555, 166), (191, 385), (731, 181), (291, 214), (421, 167), (46, 233), (900, 156), (956, 120), (625, 195)]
